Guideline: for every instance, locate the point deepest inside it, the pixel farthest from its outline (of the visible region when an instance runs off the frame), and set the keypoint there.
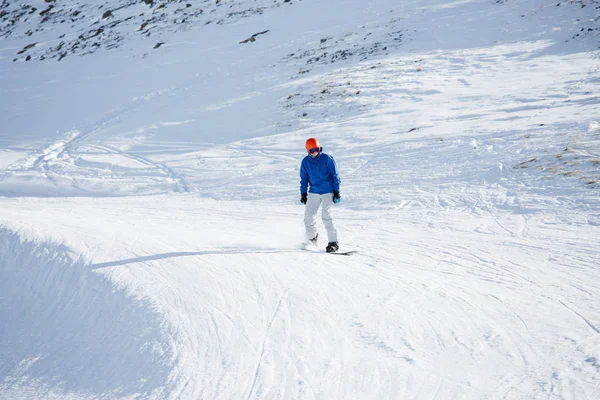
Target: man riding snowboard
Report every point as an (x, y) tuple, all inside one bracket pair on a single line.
[(319, 186)]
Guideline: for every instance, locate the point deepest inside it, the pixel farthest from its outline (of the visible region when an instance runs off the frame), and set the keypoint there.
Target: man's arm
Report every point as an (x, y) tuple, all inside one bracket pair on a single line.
[(303, 178), (334, 173)]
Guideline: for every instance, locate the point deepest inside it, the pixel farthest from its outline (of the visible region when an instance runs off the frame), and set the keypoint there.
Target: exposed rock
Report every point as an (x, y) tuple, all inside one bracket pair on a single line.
[(29, 46), (91, 34), (47, 10), (253, 37)]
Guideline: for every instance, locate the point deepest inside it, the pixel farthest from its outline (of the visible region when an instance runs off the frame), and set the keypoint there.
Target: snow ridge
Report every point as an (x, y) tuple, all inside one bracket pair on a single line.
[(76, 322)]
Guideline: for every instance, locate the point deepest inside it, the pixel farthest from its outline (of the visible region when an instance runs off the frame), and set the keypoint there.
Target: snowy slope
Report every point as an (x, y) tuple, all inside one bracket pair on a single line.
[(149, 218)]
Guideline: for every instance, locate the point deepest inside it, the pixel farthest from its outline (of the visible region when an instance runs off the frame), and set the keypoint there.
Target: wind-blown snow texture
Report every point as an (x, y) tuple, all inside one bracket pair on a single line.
[(150, 216)]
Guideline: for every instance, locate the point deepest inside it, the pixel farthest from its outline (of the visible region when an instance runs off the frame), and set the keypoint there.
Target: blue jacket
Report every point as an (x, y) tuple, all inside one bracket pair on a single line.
[(320, 173)]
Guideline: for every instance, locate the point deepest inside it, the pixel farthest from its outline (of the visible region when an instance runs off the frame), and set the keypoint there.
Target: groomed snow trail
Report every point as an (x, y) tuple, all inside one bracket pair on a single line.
[(458, 309)]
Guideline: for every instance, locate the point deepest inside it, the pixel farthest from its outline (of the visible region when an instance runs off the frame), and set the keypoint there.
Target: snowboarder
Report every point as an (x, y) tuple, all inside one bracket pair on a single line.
[(319, 186)]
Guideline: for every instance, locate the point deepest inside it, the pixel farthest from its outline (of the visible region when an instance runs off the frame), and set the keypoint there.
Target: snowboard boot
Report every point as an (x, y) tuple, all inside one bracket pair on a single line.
[(332, 247), (314, 240)]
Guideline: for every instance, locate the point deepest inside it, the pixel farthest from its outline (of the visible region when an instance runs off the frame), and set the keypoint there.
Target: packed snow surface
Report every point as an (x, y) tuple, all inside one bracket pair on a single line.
[(149, 199)]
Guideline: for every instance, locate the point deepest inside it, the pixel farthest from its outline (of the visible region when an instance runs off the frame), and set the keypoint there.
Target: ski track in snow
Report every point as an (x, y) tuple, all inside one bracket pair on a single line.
[(59, 160), (158, 257)]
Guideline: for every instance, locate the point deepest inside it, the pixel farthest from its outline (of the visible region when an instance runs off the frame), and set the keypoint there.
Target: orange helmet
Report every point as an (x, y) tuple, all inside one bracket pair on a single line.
[(312, 144)]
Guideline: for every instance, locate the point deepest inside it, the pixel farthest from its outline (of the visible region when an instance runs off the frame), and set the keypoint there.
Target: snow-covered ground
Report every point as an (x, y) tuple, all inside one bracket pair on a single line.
[(150, 216)]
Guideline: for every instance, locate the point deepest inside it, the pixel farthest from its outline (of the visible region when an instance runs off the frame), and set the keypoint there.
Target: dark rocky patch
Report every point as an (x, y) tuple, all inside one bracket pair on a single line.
[(253, 37), (355, 46), (29, 46)]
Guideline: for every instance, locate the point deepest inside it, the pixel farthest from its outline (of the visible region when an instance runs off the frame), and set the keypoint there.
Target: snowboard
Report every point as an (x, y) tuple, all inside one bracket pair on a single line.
[(343, 253), (314, 249)]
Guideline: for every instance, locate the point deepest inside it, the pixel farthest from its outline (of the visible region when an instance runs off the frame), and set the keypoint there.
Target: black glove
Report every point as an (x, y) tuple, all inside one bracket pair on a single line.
[(336, 197), (303, 198)]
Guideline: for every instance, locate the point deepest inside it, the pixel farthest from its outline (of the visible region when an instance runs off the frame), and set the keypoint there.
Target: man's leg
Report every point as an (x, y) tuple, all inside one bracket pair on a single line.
[(327, 200), (310, 212)]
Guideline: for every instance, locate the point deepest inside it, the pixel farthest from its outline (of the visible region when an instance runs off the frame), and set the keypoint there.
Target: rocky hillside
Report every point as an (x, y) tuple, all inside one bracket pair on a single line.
[(54, 29), (73, 28)]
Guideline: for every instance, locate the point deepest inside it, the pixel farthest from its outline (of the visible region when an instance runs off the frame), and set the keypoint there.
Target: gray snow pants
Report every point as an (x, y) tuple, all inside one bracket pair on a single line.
[(310, 213)]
